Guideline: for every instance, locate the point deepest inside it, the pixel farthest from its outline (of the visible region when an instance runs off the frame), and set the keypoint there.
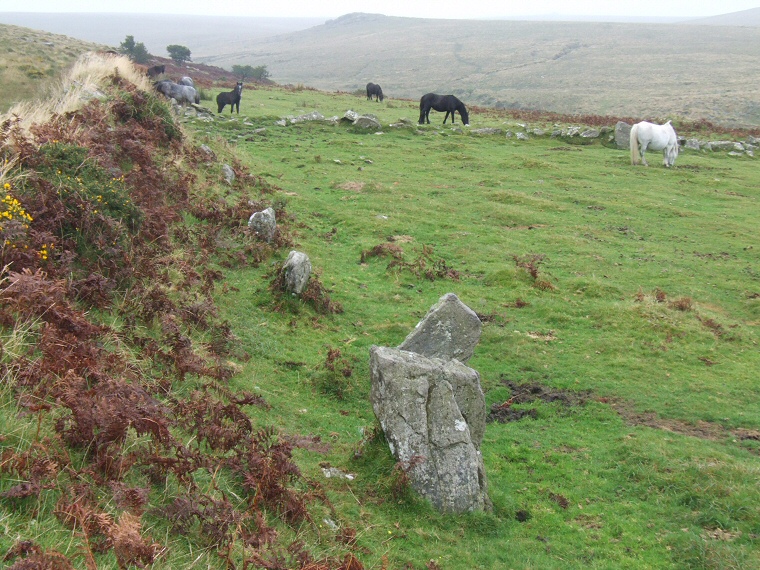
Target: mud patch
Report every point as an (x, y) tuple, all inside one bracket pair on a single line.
[(526, 393), (503, 412)]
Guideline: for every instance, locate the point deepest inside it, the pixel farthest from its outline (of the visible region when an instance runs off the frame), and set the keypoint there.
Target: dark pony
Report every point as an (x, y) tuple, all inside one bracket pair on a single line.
[(231, 98), (156, 70), (447, 103), (374, 89)]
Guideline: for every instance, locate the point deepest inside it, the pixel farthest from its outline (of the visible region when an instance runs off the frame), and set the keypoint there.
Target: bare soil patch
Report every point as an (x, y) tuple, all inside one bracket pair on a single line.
[(532, 391)]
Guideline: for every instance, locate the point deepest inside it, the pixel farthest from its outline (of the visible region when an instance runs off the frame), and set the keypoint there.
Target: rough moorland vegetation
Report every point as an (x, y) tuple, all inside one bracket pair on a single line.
[(163, 403), (103, 298)]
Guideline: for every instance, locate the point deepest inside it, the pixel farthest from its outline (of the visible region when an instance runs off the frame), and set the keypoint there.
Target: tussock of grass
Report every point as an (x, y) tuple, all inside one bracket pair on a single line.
[(84, 82)]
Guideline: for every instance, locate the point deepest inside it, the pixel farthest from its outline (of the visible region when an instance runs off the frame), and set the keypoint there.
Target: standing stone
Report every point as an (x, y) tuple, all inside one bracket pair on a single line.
[(228, 173), (432, 412), (623, 135), (450, 330), (297, 269), (263, 224)]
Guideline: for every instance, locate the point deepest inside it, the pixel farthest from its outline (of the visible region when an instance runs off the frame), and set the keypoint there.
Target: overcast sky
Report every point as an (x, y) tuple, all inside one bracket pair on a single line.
[(456, 9)]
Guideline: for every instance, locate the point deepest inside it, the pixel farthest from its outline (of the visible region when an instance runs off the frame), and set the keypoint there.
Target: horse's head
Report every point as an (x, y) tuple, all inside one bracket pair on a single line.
[(465, 115)]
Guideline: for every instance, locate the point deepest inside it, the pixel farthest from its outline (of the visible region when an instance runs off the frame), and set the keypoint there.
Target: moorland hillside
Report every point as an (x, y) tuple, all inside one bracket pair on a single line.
[(164, 403), (644, 70)]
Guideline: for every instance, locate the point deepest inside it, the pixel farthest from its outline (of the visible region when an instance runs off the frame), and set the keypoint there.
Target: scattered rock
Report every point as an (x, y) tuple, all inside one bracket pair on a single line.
[(297, 270), (623, 135), (263, 224), (228, 173)]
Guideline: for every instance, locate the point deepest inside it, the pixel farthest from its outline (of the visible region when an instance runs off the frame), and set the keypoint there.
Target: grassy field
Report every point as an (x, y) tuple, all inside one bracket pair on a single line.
[(620, 306), (640, 325)]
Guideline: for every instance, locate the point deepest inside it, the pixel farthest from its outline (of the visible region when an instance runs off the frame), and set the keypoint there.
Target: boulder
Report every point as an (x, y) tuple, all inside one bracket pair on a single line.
[(449, 330), (367, 122), (263, 224), (296, 270), (432, 412)]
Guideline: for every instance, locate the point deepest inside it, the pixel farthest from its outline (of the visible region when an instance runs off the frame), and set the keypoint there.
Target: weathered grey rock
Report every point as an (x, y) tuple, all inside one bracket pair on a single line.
[(228, 173), (297, 269), (449, 330), (487, 131), (692, 144), (623, 135), (753, 140), (313, 116), (572, 131), (433, 415), (263, 224), (207, 151), (590, 134), (720, 145), (522, 137), (367, 122), (350, 116)]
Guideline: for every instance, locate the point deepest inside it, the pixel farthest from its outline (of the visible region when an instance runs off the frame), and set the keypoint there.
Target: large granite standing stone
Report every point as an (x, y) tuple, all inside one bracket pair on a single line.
[(450, 330), (297, 270), (432, 412)]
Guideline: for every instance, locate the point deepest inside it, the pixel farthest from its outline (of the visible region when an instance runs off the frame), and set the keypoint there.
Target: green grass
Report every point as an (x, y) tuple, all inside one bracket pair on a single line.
[(652, 303), (643, 306)]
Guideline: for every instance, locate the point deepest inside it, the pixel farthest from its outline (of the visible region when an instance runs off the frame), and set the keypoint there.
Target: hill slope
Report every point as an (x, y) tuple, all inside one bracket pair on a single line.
[(32, 59), (646, 70)]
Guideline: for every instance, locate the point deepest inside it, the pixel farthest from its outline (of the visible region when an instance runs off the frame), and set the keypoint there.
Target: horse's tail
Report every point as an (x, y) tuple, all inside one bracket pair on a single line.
[(635, 156)]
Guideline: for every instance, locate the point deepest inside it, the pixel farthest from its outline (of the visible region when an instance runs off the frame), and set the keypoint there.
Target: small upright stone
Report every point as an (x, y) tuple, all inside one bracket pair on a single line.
[(263, 224), (228, 173), (623, 135), (297, 269)]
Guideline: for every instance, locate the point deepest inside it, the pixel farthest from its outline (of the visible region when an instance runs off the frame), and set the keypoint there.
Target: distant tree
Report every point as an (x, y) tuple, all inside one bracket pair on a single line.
[(127, 47), (180, 54), (140, 54), (136, 51), (245, 71)]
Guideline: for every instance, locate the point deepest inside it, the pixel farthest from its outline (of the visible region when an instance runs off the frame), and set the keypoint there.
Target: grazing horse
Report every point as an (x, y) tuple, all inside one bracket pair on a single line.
[(156, 70), (447, 103), (231, 98), (374, 89), (180, 93), (646, 135), (186, 81)]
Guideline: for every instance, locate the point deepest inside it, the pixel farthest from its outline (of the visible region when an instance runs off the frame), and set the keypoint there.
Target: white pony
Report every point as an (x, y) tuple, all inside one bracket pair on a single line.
[(646, 135)]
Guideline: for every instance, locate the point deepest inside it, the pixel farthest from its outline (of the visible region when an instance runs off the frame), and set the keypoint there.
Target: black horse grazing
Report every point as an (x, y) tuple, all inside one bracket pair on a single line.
[(447, 103), (231, 98), (156, 70), (374, 89)]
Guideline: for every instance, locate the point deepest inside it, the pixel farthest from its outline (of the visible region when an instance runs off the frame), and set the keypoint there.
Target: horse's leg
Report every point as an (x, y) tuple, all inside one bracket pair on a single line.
[(643, 147), (447, 116)]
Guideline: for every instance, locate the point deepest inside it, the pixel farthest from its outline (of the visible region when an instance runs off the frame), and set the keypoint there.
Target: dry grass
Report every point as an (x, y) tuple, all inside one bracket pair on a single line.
[(83, 83)]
